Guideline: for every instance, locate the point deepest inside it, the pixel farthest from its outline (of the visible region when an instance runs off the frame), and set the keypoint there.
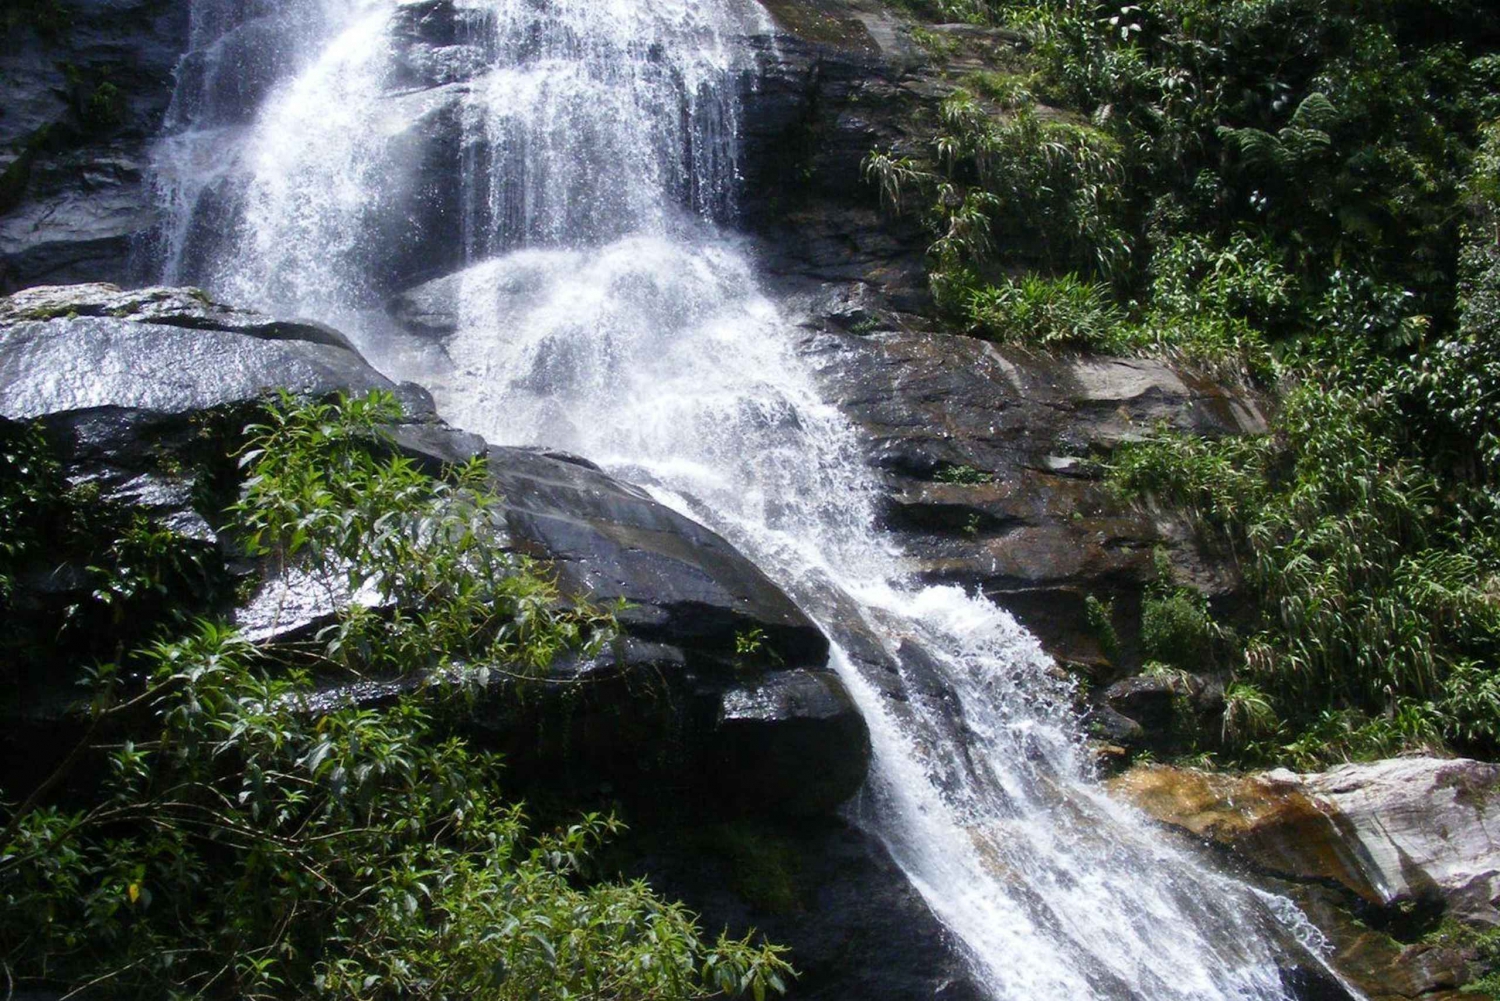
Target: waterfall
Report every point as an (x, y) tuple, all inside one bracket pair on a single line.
[(571, 166)]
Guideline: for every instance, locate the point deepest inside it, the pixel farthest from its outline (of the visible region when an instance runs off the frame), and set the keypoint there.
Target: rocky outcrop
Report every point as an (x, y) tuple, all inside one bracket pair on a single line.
[(1397, 844), (991, 457), (124, 382), (728, 765), (856, 926), (1407, 832)]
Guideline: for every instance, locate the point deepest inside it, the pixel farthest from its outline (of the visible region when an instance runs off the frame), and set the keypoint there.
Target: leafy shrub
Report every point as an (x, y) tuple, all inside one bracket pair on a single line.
[(264, 841), (1046, 312), (1248, 714), (1177, 629), (966, 475), (1363, 602), (1100, 619)]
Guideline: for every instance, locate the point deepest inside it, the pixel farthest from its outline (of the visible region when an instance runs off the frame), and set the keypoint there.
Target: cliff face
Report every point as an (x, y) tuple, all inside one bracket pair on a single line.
[(87, 86), (90, 91)]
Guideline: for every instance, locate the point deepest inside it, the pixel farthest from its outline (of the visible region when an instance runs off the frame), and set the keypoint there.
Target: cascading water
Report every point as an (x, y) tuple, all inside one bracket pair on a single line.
[(569, 160)]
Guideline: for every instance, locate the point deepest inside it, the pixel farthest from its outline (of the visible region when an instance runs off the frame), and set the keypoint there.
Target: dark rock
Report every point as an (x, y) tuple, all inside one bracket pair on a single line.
[(768, 731), (224, 82), (1310, 983), (1106, 723), (1151, 700), (991, 460), (81, 110), (856, 927), (612, 541), (715, 653)]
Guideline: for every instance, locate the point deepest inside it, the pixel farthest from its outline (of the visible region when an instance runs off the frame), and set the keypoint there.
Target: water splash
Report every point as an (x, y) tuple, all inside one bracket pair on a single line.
[(575, 154)]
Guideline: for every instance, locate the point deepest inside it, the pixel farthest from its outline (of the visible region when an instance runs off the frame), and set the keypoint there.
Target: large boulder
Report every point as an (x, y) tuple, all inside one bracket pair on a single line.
[(1367, 850), (1407, 831), (123, 383)]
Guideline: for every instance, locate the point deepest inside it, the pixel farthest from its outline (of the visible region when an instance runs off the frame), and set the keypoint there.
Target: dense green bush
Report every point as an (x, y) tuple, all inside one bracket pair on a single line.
[(1304, 195), (253, 838)]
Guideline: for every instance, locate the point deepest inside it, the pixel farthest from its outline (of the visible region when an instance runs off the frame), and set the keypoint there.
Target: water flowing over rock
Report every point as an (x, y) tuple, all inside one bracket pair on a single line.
[(123, 381), (525, 208)]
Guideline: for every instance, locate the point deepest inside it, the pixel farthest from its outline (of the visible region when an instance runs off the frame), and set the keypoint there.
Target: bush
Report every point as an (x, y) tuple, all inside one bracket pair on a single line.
[(262, 841), (1047, 313)]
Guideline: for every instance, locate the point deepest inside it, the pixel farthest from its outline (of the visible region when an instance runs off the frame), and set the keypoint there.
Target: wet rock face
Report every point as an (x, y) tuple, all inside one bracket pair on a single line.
[(84, 98), (857, 928), (991, 460), (121, 380), (1398, 843)]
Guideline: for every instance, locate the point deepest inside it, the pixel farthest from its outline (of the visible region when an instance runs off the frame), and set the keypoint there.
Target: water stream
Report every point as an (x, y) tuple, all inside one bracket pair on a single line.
[(572, 165)]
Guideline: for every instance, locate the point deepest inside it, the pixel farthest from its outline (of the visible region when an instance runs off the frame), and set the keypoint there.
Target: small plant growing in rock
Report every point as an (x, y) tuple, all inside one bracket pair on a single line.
[(1099, 616), (964, 474)]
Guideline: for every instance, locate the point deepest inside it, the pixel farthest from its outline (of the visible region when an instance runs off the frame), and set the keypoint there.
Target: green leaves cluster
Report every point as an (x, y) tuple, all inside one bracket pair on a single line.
[(255, 837), (1368, 600), (1303, 195)]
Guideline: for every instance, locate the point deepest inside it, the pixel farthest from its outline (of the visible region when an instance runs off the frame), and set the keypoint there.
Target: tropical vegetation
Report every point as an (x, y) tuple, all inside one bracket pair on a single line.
[(233, 823), (1303, 196)]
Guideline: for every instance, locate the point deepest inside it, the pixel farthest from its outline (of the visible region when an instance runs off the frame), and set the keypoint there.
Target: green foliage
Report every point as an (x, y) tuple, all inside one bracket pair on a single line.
[(1045, 312), (1299, 194), (1177, 629), (1366, 599), (126, 576), (259, 840), (1248, 714), (1027, 174), (963, 474), (31, 488), (1100, 619), (1240, 174), (1480, 946), (321, 488)]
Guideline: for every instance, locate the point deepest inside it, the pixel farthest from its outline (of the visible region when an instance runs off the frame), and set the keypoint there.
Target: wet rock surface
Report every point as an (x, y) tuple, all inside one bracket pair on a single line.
[(991, 458), (856, 927), (1367, 850), (123, 382), (86, 90)]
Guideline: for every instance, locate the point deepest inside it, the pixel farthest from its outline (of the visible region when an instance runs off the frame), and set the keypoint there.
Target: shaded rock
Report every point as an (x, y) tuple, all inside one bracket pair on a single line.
[(1110, 724), (771, 728), (612, 541), (1383, 968), (855, 925), (1159, 703), (82, 107)]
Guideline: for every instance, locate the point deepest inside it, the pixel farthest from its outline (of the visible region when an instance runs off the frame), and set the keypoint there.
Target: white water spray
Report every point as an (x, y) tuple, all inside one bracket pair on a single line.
[(590, 149)]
